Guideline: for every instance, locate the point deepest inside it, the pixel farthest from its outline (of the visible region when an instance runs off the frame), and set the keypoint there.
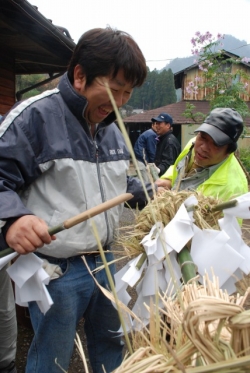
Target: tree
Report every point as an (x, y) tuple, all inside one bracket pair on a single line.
[(26, 81), (157, 90), (171, 96)]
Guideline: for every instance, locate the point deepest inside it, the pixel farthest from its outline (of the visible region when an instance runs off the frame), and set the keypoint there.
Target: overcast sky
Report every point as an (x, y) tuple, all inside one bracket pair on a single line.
[(162, 28)]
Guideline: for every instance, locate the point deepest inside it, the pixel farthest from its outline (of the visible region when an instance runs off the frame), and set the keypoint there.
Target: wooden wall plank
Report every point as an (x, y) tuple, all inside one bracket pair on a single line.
[(7, 82)]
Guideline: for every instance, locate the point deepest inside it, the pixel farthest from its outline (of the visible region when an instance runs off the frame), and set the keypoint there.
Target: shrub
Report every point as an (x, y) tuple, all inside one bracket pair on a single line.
[(245, 158)]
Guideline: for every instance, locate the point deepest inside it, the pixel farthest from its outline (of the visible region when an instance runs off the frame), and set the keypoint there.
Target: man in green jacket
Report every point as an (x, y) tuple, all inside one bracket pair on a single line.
[(207, 163)]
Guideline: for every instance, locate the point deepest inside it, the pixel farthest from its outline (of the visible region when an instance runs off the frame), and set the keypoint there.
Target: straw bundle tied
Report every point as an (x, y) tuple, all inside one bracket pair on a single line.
[(210, 334), (163, 208), (198, 328), (176, 224)]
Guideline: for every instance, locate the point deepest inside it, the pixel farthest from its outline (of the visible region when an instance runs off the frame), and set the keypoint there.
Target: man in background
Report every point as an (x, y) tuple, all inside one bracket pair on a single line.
[(168, 147), (144, 149)]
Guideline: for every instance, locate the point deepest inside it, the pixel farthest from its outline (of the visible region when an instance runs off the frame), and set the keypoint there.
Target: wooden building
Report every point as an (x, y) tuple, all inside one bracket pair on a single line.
[(184, 77), (30, 44), (183, 128)]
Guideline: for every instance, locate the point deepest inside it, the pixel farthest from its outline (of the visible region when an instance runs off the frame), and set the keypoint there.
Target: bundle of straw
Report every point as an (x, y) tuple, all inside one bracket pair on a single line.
[(163, 208), (199, 329), (203, 330)]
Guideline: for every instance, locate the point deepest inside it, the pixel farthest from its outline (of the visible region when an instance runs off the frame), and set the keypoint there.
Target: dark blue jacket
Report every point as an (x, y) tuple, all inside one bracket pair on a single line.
[(145, 146)]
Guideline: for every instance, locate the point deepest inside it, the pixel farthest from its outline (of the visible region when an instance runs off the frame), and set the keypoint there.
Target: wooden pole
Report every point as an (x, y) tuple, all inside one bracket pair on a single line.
[(81, 217)]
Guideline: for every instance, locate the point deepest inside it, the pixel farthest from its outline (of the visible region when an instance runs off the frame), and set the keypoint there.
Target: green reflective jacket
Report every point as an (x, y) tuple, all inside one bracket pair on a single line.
[(227, 182)]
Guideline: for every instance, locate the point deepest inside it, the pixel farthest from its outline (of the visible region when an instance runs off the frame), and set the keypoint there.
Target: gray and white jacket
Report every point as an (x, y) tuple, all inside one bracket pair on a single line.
[(50, 166)]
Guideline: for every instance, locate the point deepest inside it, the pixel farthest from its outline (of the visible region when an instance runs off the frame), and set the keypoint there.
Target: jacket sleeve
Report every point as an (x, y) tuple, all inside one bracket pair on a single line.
[(139, 148), (151, 148), (11, 206), (18, 168), (134, 186)]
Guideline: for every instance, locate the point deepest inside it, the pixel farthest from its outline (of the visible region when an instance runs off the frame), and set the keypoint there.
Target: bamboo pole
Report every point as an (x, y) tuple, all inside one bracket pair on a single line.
[(188, 268), (225, 205)]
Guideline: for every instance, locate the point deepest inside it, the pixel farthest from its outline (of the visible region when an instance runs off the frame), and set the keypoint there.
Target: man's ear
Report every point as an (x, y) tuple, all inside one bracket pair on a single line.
[(79, 78)]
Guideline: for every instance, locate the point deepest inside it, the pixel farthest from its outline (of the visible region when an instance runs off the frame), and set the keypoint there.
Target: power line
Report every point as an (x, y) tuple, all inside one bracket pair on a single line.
[(166, 59), (171, 59), (242, 46)]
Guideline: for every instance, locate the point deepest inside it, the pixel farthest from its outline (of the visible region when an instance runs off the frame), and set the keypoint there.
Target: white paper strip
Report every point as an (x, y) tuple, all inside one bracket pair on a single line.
[(30, 279), (6, 259), (179, 230), (209, 249), (242, 209)]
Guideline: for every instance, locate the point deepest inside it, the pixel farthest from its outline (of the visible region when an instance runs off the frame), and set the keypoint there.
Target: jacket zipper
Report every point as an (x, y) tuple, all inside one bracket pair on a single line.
[(101, 188)]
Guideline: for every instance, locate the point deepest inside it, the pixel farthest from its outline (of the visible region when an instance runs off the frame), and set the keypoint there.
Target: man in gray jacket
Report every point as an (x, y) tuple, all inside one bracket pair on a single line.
[(60, 154)]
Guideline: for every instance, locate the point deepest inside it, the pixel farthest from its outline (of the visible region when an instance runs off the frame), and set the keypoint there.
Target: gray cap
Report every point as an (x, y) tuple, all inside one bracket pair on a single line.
[(224, 125)]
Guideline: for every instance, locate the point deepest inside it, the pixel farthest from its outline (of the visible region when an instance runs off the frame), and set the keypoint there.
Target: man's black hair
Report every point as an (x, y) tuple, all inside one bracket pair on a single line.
[(103, 52)]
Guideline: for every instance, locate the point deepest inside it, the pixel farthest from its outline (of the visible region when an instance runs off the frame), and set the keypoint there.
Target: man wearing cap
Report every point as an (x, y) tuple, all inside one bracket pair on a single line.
[(168, 147), (207, 163)]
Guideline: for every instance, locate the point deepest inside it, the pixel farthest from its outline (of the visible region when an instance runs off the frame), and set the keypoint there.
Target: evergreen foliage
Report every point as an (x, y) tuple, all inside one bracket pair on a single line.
[(25, 81), (158, 90)]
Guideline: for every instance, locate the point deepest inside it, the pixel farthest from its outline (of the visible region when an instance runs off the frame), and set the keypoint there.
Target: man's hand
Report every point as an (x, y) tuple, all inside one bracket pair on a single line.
[(165, 183), (27, 234)]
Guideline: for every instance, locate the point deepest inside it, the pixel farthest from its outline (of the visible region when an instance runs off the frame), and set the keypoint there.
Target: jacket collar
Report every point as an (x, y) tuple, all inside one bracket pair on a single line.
[(165, 135), (220, 175)]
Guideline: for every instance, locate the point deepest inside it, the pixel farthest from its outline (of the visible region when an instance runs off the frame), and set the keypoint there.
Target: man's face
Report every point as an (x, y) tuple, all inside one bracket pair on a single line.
[(153, 126), (161, 128), (206, 152), (99, 105)]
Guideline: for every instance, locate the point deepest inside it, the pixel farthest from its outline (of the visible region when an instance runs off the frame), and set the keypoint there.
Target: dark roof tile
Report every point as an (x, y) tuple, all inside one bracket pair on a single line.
[(176, 111)]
